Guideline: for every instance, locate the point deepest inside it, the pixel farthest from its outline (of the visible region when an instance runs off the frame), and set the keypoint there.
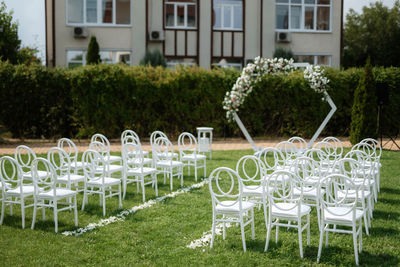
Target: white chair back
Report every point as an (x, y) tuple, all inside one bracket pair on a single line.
[(225, 188), (162, 149), (44, 182), (271, 158), (187, 144), (69, 147), (129, 136), (251, 171), (154, 135), (102, 139), (24, 155), (94, 166), (10, 174)]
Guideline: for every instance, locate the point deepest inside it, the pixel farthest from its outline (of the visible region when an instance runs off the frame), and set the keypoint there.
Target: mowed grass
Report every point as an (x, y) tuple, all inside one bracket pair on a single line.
[(158, 236)]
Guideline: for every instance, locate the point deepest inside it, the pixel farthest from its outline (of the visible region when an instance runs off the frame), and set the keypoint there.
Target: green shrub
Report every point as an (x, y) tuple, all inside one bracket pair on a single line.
[(281, 52), (153, 58), (37, 101), (92, 55), (364, 112)]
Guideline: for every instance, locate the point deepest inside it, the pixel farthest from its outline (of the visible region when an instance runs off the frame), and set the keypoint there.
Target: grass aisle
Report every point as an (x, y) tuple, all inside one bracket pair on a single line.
[(159, 235)]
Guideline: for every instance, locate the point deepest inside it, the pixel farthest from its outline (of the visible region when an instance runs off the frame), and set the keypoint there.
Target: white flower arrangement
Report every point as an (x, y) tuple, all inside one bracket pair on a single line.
[(123, 214), (253, 73), (206, 238)]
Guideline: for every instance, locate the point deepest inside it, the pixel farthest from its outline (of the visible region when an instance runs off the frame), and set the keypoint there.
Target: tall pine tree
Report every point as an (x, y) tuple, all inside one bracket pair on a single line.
[(93, 56), (364, 112)]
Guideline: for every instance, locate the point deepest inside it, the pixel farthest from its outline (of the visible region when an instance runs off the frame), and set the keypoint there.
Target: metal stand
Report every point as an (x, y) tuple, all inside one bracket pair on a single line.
[(380, 131), (315, 136)]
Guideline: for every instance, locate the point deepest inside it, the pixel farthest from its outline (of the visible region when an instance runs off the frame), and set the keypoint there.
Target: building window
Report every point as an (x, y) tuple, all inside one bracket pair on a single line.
[(322, 60), (180, 14), (173, 63), (303, 15), (76, 58), (228, 63), (228, 15), (99, 12)]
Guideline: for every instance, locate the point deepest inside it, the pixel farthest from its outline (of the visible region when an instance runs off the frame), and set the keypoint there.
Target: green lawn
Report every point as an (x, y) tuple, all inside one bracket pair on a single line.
[(158, 235)]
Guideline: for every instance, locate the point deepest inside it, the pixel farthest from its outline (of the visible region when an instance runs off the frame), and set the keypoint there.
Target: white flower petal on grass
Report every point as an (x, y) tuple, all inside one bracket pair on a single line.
[(123, 214), (205, 240)]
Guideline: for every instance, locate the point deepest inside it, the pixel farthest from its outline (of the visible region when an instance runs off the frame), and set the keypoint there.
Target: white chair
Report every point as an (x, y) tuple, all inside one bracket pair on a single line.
[(300, 144), (362, 153), (361, 179), (14, 191), (283, 205), (252, 177), (272, 158), (289, 152), (373, 162), (48, 195), (336, 144), (97, 182), (189, 155), (63, 168), (102, 139), (104, 152), (24, 155), (129, 136), (156, 134), (376, 157), (134, 166), (227, 203), (308, 171), (164, 160), (332, 155), (340, 210), (70, 148)]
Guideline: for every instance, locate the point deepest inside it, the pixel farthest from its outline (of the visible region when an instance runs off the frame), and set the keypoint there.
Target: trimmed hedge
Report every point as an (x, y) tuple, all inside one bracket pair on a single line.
[(37, 101)]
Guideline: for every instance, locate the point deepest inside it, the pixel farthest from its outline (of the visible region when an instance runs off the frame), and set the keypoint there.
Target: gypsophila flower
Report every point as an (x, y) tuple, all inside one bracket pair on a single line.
[(253, 72)]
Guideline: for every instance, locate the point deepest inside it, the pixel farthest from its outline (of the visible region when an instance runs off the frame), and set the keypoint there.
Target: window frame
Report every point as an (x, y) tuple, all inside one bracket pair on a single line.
[(99, 16), (176, 4), (302, 19), (222, 28), (84, 52), (315, 57)]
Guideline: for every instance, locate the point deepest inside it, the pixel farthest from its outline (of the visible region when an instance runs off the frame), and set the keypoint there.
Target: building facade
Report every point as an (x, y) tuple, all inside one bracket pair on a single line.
[(202, 32)]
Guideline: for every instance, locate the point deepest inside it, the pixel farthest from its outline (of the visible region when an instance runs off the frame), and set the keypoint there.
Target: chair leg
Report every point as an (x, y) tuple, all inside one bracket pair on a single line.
[(84, 199), (104, 199), (195, 170), (170, 178), (143, 193), (205, 168), (75, 212), (321, 240), (55, 215), (269, 226), (308, 230), (3, 208), (124, 188), (34, 215), (43, 211), (253, 234), (242, 231), (276, 233), (360, 238), (355, 242), (300, 237), (155, 183), (119, 196), (213, 232), (23, 212)]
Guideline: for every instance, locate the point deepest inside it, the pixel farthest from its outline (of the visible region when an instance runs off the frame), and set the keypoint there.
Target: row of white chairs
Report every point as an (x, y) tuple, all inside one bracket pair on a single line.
[(287, 183), (62, 175)]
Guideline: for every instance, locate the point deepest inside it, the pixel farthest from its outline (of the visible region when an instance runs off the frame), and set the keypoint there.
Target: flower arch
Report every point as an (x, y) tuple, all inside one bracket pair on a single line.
[(254, 72)]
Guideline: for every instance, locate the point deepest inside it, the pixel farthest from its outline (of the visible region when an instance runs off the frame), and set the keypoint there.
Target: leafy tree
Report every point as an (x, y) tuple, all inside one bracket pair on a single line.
[(375, 33), (28, 55), (281, 52), (364, 112), (154, 58), (9, 42), (93, 56)]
